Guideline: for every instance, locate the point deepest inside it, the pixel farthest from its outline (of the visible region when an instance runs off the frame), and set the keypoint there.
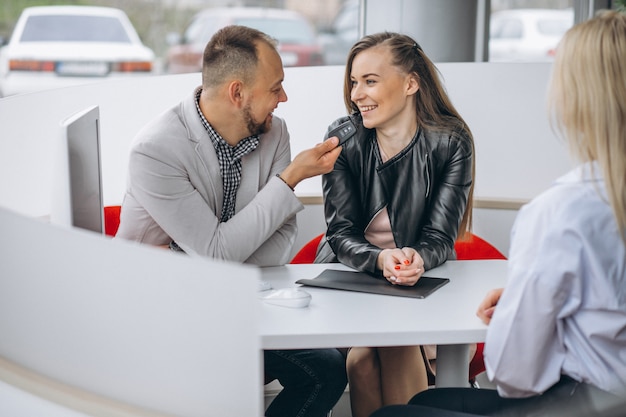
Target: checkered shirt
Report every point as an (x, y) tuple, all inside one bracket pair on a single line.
[(229, 158)]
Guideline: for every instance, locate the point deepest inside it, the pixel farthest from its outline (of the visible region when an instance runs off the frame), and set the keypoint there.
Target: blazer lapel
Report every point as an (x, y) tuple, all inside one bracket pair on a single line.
[(208, 166)]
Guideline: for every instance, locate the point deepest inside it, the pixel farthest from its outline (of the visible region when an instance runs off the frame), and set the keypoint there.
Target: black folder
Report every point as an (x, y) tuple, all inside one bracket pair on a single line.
[(362, 282)]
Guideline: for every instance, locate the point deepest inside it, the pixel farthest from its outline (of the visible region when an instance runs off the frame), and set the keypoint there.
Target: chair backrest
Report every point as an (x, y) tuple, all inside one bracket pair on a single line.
[(111, 219), (474, 248), (306, 255)]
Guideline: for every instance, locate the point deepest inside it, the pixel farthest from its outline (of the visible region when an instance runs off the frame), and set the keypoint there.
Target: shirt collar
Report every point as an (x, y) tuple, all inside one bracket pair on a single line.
[(586, 172), (218, 141)]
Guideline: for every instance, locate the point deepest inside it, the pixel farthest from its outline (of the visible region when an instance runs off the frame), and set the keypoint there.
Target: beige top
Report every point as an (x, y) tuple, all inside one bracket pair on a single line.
[(378, 231)]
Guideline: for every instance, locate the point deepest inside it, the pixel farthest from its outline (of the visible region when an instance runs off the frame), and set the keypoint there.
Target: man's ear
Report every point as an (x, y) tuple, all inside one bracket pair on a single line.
[(235, 92)]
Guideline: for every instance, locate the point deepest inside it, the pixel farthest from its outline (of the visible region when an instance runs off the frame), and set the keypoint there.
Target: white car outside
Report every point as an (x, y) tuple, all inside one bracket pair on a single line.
[(524, 35), (58, 46)]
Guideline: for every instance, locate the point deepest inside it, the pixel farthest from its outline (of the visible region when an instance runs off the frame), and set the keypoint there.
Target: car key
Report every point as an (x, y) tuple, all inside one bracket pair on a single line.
[(344, 131)]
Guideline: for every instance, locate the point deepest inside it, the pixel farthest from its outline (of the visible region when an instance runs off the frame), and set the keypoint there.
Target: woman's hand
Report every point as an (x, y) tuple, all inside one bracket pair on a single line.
[(488, 305), (401, 266)]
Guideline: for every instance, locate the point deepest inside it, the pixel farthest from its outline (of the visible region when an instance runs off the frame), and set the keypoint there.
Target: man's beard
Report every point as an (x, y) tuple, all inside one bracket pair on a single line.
[(254, 127)]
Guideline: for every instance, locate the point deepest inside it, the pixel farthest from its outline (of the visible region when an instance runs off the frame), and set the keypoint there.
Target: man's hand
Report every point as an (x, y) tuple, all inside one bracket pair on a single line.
[(488, 305), (311, 162)]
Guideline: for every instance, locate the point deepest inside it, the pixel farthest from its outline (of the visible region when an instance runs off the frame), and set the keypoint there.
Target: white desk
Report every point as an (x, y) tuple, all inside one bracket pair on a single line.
[(341, 318)]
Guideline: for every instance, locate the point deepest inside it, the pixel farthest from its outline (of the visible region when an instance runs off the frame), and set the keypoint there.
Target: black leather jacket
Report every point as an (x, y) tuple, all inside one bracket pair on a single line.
[(425, 189)]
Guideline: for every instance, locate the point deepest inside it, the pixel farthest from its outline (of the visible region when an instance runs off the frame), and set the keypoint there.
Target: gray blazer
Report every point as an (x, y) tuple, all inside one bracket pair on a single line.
[(174, 190)]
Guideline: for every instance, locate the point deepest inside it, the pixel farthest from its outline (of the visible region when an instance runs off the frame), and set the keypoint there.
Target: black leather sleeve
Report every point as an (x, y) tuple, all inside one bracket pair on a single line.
[(346, 215), (452, 179)]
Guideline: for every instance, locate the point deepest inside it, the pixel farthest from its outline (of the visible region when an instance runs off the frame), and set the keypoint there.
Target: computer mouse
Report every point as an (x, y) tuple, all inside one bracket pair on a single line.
[(264, 286), (288, 297)]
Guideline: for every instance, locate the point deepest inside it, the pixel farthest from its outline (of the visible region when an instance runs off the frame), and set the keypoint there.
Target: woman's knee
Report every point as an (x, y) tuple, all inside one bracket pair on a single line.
[(401, 354), (362, 363)]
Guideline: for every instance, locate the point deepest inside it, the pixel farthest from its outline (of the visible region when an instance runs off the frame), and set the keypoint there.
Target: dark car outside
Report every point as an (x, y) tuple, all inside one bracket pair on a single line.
[(297, 40)]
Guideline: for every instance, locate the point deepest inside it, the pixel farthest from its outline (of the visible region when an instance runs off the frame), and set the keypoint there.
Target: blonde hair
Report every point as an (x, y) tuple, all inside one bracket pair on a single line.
[(588, 100)]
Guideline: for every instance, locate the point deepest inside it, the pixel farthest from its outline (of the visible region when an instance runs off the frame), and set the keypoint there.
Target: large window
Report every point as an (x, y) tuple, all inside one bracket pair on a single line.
[(520, 31)]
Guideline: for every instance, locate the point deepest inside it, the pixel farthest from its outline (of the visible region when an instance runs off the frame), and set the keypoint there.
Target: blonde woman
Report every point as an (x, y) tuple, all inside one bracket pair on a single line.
[(556, 341)]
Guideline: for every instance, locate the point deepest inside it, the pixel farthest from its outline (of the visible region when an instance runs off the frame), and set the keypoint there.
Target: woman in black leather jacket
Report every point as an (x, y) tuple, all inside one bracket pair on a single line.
[(400, 193)]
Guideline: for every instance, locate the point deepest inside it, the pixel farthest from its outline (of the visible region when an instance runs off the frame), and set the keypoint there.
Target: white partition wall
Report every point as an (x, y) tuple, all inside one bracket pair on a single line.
[(517, 154), (114, 328), (504, 104), (29, 124)]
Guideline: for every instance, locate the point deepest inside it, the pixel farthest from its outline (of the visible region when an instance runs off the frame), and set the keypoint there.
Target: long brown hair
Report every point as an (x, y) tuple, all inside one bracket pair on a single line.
[(434, 108)]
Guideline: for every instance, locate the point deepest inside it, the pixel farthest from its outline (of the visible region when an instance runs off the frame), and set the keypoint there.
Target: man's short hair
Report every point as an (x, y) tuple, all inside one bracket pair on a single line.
[(232, 53)]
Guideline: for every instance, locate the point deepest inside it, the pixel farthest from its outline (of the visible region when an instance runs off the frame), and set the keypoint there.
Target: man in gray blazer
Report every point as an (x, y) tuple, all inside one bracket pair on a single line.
[(213, 176)]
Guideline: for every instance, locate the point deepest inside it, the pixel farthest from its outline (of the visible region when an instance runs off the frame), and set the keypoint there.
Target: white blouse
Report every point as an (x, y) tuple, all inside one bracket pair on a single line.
[(563, 310)]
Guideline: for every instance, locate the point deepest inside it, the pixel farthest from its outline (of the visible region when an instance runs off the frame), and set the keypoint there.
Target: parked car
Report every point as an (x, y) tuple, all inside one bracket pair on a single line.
[(342, 34), (56, 46), (527, 34), (297, 41)]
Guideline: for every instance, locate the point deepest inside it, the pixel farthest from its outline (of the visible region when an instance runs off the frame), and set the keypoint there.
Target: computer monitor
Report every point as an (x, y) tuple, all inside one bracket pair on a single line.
[(77, 189)]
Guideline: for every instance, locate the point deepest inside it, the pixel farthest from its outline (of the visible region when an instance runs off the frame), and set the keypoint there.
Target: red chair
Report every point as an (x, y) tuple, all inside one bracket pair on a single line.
[(475, 248), (306, 255), (111, 219)]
